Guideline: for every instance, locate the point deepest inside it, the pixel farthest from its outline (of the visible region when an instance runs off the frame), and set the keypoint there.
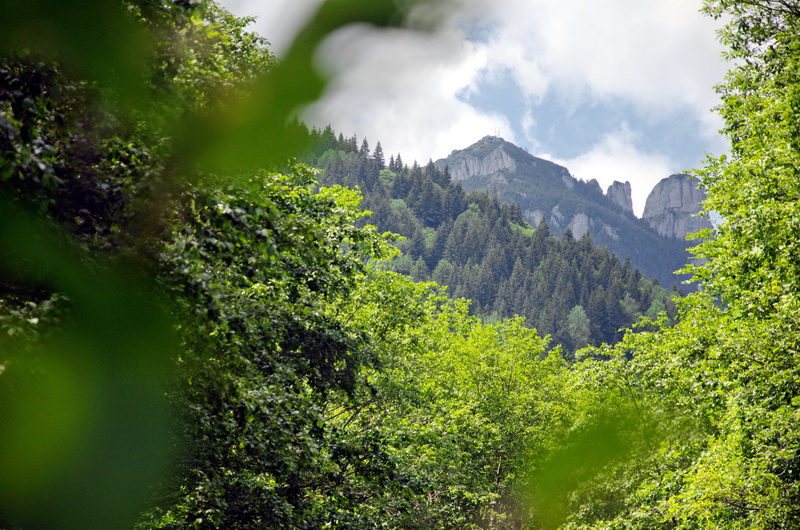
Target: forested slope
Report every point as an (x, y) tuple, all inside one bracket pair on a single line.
[(188, 347), (484, 250), (547, 191)]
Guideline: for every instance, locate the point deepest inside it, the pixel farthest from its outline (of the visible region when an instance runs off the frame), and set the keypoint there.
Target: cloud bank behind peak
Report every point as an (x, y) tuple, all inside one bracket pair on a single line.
[(606, 87)]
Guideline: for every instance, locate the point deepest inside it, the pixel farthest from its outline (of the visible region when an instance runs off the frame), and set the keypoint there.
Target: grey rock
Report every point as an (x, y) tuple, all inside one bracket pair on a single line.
[(611, 232), (620, 194), (672, 207), (556, 219), (534, 217), (579, 225), (472, 166)]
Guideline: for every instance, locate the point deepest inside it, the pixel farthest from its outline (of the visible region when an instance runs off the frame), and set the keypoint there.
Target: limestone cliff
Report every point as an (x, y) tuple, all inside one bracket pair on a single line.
[(620, 194), (546, 191), (492, 160), (579, 225), (671, 208), (472, 166)]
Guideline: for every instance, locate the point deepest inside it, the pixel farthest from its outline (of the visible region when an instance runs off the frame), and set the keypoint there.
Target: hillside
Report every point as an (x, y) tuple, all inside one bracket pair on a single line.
[(546, 191), (484, 249)]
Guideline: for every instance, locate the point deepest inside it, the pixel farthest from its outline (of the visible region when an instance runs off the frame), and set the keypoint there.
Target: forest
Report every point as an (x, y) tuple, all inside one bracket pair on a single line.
[(484, 251), (201, 325)]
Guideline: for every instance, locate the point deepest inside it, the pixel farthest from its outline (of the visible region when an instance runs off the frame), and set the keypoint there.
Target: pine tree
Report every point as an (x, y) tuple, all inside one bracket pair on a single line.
[(377, 156), (443, 273), (420, 271)]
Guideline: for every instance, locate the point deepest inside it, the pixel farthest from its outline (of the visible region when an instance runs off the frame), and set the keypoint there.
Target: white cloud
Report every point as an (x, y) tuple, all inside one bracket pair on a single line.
[(400, 87), (403, 88), (657, 53), (615, 157)]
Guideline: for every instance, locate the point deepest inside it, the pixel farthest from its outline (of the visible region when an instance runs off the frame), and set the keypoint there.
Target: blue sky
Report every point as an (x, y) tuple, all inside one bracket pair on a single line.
[(611, 89)]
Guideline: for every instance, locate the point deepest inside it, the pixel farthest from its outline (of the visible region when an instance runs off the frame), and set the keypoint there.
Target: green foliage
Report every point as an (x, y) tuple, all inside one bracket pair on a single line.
[(579, 326), (462, 403), (722, 383), (754, 258), (483, 250), (256, 269), (307, 386), (100, 124)]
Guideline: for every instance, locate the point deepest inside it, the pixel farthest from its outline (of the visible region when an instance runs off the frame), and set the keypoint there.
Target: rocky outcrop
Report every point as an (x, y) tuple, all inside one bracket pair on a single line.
[(546, 191), (610, 231), (579, 225), (620, 194), (472, 166), (672, 207), (534, 217), (556, 220)]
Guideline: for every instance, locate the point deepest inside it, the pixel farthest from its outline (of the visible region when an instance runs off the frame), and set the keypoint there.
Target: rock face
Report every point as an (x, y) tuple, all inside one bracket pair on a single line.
[(579, 225), (620, 194), (472, 166), (534, 217), (672, 206)]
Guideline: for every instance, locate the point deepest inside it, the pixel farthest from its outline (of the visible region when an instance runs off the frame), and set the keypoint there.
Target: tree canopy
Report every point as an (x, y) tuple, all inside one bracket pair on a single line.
[(197, 331)]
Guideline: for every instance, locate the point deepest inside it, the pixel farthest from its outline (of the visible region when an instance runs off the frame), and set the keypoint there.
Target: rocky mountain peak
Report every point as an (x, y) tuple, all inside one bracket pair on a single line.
[(486, 157), (546, 191), (672, 207), (492, 158), (620, 194)]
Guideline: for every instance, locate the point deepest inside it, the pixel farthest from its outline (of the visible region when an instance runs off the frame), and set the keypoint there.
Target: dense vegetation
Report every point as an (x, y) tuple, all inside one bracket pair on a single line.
[(484, 250), (196, 340)]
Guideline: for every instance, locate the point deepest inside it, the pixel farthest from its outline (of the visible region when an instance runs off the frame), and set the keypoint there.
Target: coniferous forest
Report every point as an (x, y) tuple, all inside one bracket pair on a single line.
[(201, 326), (484, 251)]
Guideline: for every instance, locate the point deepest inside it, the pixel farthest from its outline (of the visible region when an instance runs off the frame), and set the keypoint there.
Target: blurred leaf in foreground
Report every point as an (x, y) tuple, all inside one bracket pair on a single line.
[(84, 429)]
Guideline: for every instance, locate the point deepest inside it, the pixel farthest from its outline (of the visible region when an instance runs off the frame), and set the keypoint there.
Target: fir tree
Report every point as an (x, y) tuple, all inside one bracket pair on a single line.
[(377, 156)]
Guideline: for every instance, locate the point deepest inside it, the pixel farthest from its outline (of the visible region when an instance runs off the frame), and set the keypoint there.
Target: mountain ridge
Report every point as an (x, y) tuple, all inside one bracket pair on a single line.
[(546, 191), (483, 250)]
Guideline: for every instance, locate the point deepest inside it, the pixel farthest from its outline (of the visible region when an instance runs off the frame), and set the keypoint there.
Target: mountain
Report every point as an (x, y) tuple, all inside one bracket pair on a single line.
[(546, 191), (672, 207), (620, 194), (485, 251)]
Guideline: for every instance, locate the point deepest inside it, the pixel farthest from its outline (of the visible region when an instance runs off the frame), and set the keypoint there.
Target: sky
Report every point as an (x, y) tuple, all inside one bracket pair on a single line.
[(611, 89)]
